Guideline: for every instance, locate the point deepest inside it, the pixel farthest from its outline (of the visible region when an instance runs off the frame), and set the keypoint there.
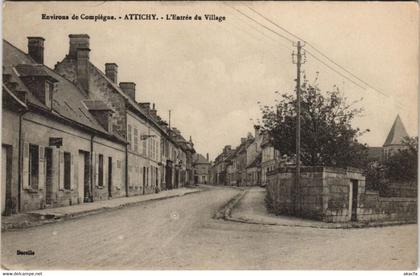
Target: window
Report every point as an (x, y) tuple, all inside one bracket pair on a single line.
[(136, 142), (129, 137), (101, 170), (33, 166), (67, 168), (144, 147)]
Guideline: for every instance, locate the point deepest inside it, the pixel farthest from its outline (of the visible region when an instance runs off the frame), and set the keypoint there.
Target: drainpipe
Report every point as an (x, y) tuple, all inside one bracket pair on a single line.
[(91, 169), (20, 158), (126, 170)]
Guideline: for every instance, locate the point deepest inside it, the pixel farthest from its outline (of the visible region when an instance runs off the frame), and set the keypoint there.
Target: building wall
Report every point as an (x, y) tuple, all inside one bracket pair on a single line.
[(144, 174), (37, 130), (201, 173), (10, 140)]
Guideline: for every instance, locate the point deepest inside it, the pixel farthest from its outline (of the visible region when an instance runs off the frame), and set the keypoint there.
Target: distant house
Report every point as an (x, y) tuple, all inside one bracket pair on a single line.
[(201, 167), (392, 144)]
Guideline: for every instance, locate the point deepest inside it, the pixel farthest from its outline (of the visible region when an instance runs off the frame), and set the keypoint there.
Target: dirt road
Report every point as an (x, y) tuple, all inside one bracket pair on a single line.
[(179, 233)]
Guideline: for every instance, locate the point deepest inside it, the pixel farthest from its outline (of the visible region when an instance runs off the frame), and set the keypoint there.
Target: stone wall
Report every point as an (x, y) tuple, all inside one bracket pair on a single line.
[(376, 208), (327, 194)]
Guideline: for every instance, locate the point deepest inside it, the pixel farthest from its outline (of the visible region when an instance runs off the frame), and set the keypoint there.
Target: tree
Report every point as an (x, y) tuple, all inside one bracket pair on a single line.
[(402, 165), (327, 136)]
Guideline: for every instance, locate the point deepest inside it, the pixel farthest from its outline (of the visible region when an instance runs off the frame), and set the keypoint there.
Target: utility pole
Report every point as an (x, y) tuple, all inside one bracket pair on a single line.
[(297, 191), (169, 120)]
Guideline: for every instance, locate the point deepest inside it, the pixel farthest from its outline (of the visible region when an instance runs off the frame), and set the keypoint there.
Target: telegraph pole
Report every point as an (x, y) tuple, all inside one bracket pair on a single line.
[(297, 195)]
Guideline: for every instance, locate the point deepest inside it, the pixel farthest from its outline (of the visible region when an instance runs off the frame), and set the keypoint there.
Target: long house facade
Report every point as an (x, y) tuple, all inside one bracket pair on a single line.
[(72, 134)]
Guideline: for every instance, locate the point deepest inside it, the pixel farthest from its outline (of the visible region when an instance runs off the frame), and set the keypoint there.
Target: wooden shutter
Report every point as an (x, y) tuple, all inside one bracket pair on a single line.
[(96, 169), (61, 170), (41, 168), (72, 182), (25, 180)]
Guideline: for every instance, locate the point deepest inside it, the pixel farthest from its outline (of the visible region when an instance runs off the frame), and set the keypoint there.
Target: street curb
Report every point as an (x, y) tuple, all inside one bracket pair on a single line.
[(226, 210), (60, 218), (226, 214)]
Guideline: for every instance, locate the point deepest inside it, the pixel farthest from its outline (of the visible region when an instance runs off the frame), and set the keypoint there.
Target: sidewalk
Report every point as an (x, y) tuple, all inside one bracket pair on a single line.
[(251, 209), (44, 216)]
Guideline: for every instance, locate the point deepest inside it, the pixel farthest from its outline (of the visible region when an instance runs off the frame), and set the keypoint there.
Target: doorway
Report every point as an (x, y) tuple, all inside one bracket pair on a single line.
[(83, 176), (110, 177), (354, 201), (48, 176)]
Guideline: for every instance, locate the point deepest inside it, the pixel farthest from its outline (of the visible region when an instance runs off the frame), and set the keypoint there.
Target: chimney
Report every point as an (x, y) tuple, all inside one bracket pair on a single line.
[(78, 41), (243, 140), (111, 72), (257, 131), (83, 68), (145, 105), (207, 156), (129, 88), (153, 111), (79, 49), (36, 48)]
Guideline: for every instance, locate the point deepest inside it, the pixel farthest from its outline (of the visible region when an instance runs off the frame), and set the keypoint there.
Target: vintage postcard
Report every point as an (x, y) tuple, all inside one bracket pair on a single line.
[(209, 136)]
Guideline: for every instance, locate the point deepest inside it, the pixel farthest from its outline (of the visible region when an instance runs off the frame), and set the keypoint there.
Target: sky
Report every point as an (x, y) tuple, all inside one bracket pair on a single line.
[(212, 74)]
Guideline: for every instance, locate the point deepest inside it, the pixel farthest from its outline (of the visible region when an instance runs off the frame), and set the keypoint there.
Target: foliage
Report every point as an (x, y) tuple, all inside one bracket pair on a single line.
[(375, 176), (327, 137), (402, 165)]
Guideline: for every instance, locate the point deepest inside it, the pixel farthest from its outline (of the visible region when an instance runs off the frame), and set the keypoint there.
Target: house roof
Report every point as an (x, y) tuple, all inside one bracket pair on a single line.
[(96, 105), (33, 70), (256, 162), (200, 159), (396, 134), (67, 98)]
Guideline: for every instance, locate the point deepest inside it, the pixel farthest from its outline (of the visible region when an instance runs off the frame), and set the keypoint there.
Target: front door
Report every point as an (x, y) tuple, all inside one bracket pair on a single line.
[(48, 176), (354, 201)]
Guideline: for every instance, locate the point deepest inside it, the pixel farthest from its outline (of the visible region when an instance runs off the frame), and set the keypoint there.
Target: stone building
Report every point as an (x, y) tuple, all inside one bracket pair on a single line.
[(138, 122), (270, 158), (66, 151), (201, 166), (73, 134)]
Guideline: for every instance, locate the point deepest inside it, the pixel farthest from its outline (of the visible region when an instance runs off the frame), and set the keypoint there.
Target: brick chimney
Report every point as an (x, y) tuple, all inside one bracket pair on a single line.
[(111, 71), (78, 41), (145, 106), (207, 157), (36, 48), (153, 111), (129, 88), (79, 49)]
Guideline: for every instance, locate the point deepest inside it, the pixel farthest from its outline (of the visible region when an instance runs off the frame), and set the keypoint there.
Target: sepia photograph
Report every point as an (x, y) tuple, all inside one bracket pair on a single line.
[(209, 136)]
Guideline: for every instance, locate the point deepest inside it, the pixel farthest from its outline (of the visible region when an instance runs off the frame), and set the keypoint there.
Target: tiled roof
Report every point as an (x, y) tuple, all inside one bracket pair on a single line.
[(200, 159), (67, 99), (33, 70), (396, 133)]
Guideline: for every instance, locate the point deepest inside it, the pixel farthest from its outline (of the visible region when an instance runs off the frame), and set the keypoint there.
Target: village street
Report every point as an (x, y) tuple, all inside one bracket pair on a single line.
[(180, 233)]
